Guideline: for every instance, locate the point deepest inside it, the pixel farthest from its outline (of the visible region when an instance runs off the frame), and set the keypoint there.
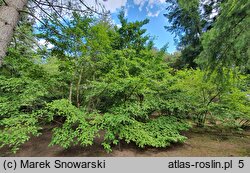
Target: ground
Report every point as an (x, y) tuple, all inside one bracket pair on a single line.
[(201, 142)]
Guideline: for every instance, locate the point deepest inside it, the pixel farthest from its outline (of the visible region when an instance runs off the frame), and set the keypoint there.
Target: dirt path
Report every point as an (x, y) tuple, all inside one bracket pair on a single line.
[(199, 143)]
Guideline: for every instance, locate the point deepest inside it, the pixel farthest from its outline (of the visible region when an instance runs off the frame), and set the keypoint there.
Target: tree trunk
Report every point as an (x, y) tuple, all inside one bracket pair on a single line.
[(9, 17), (78, 89), (70, 91)]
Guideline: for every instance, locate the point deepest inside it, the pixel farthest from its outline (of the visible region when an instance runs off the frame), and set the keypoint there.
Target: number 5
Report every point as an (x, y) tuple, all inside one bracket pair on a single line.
[(241, 164)]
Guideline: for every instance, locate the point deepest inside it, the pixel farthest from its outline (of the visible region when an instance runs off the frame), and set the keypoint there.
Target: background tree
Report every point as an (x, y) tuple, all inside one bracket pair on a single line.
[(131, 34), (186, 24), (226, 45), (189, 20)]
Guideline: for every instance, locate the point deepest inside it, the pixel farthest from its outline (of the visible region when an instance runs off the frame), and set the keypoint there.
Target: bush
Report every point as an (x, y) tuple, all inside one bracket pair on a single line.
[(19, 100)]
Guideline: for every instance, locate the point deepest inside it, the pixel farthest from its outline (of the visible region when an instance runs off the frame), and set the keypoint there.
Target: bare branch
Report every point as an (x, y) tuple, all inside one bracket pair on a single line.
[(47, 14)]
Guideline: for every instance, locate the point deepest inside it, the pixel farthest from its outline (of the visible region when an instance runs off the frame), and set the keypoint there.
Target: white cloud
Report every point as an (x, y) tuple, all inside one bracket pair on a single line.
[(153, 7), (154, 14), (110, 5), (141, 3), (45, 43), (214, 13), (117, 24), (156, 1), (114, 5)]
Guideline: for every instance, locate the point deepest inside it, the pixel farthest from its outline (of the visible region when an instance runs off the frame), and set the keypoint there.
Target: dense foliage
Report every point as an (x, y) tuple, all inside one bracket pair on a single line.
[(227, 44), (100, 80), (211, 34)]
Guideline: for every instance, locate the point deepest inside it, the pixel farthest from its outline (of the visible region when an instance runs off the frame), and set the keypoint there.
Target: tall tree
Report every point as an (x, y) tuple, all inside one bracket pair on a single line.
[(9, 16), (131, 34), (186, 24), (189, 20)]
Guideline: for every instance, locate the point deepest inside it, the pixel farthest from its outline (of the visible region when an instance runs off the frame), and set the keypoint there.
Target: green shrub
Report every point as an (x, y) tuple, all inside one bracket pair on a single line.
[(75, 129), (19, 100), (160, 132)]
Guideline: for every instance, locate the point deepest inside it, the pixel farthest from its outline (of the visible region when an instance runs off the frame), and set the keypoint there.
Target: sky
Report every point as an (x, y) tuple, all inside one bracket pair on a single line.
[(141, 9)]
